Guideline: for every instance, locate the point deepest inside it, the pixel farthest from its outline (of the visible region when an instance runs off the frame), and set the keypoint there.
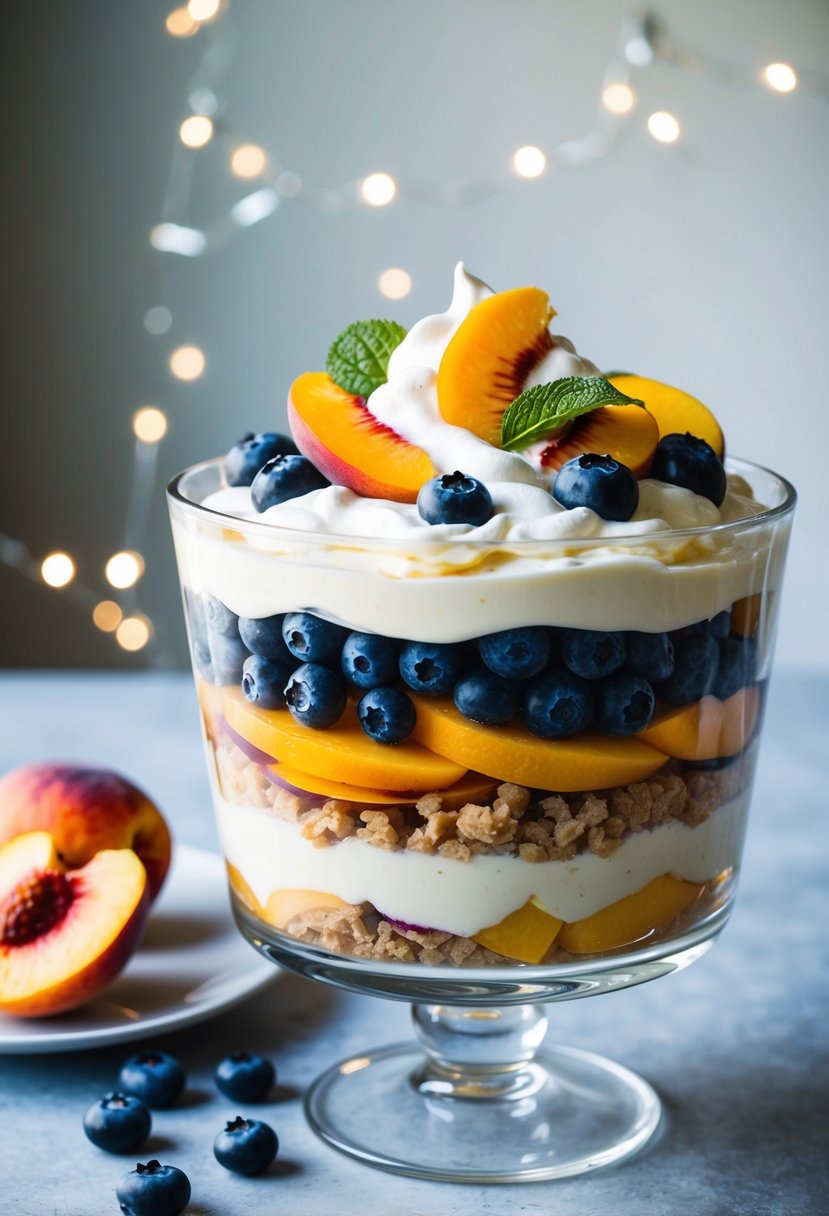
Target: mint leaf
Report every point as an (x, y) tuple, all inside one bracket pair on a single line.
[(359, 358), (545, 408)]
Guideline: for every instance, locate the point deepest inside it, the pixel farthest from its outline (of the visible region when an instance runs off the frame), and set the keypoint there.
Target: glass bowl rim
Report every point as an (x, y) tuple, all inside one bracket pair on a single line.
[(329, 539)]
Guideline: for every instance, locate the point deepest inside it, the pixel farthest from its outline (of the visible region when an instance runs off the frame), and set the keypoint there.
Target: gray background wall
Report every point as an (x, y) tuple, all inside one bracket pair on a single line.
[(703, 264)]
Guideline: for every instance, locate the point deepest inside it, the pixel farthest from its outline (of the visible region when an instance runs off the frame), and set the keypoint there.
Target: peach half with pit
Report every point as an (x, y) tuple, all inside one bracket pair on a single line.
[(85, 810), (349, 446), (65, 934)]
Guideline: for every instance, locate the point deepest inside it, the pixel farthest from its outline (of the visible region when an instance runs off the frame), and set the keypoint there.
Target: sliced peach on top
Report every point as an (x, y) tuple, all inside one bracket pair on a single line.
[(706, 729), (626, 432), (630, 919), (342, 751), (588, 761), (349, 445), (490, 356), (674, 410)]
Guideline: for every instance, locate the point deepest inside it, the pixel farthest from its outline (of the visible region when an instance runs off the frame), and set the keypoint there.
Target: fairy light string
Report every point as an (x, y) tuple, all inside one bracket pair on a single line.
[(204, 129)]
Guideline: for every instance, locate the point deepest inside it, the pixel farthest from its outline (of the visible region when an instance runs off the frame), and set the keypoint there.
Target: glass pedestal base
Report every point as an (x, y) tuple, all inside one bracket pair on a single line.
[(554, 1113)]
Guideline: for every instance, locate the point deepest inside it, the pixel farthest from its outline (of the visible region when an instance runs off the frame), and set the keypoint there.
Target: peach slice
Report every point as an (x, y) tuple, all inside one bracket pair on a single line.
[(589, 761), (285, 904), (242, 888), (526, 934), (706, 729), (349, 445), (341, 751), (745, 615), (626, 432), (85, 810), (472, 787), (674, 410), (490, 356), (630, 919), (64, 934)]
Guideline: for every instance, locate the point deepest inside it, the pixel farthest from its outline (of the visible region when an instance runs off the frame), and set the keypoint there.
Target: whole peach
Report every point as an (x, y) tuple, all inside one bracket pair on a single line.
[(85, 810)]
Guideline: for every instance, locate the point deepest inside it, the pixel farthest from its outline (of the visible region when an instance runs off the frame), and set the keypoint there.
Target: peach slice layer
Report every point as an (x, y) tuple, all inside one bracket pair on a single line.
[(673, 410), (472, 787), (490, 356), (349, 445), (589, 761), (706, 729), (526, 934), (632, 918), (343, 751), (745, 615), (65, 934)]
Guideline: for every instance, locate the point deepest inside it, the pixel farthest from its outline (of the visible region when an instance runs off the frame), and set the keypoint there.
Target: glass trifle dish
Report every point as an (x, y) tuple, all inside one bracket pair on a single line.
[(481, 653)]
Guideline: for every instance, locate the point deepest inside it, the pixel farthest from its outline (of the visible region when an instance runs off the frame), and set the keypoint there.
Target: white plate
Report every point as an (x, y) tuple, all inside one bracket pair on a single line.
[(192, 964)]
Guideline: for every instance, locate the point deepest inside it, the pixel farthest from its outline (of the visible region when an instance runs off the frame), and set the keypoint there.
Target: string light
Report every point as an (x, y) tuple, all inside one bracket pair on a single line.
[(780, 76), (180, 24), (664, 127), (134, 632), (529, 161), (149, 424), (187, 362), (124, 569), (196, 131), (394, 283), (57, 569), (248, 160), (618, 98), (107, 616), (378, 189)]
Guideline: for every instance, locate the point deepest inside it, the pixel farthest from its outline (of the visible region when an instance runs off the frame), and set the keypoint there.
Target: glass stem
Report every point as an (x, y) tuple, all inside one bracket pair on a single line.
[(479, 1053)]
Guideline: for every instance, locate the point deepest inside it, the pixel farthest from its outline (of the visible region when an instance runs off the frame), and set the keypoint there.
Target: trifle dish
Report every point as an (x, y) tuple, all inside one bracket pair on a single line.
[(481, 651)]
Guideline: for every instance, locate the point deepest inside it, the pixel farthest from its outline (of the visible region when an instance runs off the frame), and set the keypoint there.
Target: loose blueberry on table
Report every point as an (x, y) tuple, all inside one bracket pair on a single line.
[(155, 1078), (153, 1190), (245, 1076), (117, 1123), (246, 1146)]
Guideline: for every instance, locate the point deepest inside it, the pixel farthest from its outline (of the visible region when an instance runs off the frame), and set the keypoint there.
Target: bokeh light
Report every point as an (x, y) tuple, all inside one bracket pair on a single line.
[(664, 127), (124, 569), (378, 189), (394, 283), (57, 569), (529, 161), (618, 98), (203, 10), (180, 24), (196, 131), (149, 424), (780, 76), (157, 320), (107, 616), (134, 632), (187, 362), (248, 160)]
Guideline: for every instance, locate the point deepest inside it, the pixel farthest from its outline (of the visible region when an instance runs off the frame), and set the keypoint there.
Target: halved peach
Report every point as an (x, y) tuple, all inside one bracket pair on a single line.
[(65, 934), (349, 445), (490, 356), (706, 729), (674, 410), (526, 934), (630, 919), (626, 432), (588, 761), (340, 751), (472, 787)]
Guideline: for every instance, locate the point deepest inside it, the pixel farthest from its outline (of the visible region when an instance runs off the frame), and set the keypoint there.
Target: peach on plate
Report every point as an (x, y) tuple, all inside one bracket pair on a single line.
[(65, 934), (85, 810)]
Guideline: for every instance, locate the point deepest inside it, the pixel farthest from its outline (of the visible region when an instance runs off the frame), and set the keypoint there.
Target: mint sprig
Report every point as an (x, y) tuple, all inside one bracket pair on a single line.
[(542, 410), (359, 357)]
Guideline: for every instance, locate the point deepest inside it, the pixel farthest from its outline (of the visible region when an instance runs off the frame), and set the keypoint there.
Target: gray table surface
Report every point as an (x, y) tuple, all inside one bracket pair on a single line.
[(737, 1045)]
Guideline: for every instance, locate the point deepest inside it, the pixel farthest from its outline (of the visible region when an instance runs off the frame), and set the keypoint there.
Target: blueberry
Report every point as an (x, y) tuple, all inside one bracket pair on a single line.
[(246, 1146), (316, 696), (719, 626), (245, 1077), (592, 653), (600, 483), (431, 667), (153, 1190), (487, 698), (118, 1123), (696, 658), (285, 477), (263, 682), (685, 460), (227, 659), (650, 655), (516, 653), (737, 666), (557, 704), (455, 498), (199, 640), (154, 1077), (368, 660), (386, 715), (624, 703), (263, 635), (219, 619), (313, 639), (246, 458)]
